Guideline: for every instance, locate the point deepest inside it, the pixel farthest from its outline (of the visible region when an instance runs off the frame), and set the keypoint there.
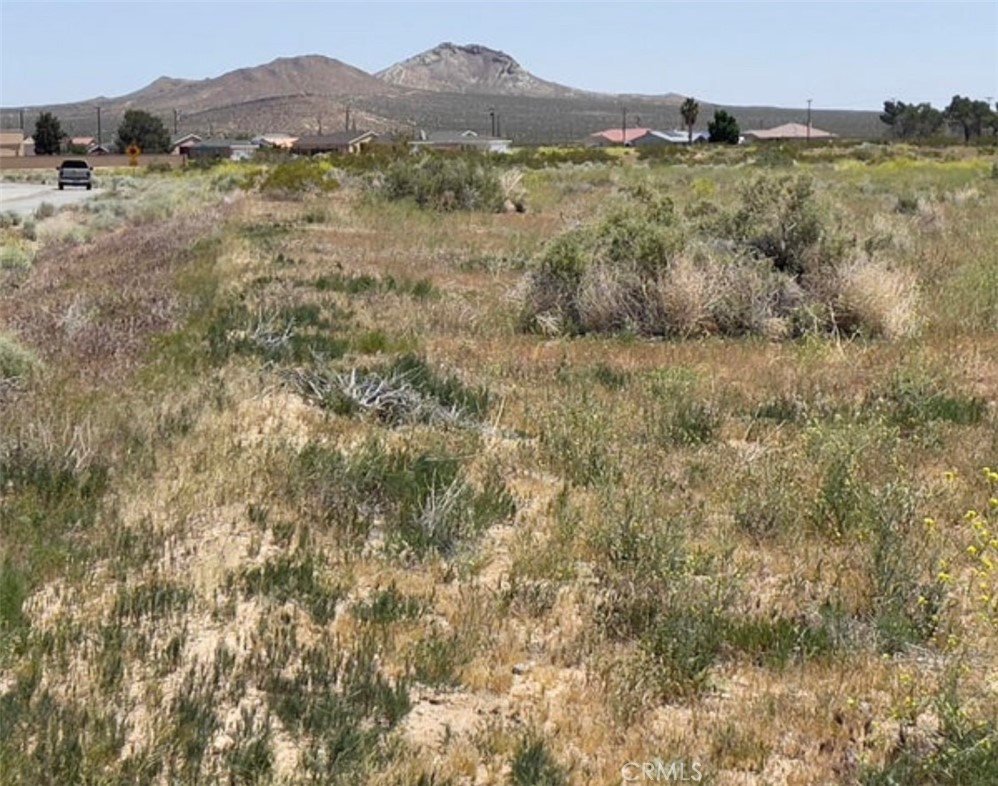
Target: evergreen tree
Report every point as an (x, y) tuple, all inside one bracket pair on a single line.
[(911, 121), (967, 116), (48, 134), (724, 128), (143, 130)]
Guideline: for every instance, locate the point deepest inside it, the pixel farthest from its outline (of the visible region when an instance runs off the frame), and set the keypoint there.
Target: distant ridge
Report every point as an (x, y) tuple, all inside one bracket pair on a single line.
[(447, 87)]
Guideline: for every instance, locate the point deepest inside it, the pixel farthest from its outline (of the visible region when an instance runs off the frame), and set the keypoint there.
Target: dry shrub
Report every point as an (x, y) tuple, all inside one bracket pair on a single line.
[(875, 300), (754, 298), (930, 216), (609, 299), (776, 266), (682, 300)]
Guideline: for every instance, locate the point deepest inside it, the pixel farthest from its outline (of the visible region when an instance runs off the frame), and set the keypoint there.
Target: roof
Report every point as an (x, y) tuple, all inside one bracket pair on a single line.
[(616, 135), (338, 139), (275, 140), (185, 138), (11, 137), (82, 141), (790, 131), (681, 137), (466, 138), (223, 143)]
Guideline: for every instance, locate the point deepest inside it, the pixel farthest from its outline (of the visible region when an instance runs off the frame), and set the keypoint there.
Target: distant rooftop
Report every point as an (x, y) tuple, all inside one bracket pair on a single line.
[(616, 135), (790, 131)]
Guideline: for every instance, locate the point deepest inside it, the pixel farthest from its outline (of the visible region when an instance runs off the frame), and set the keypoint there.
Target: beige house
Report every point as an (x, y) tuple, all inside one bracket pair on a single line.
[(13, 144), (797, 131)]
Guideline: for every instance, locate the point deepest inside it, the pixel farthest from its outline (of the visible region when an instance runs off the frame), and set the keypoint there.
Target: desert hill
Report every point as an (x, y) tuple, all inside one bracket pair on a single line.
[(472, 69), (447, 87)]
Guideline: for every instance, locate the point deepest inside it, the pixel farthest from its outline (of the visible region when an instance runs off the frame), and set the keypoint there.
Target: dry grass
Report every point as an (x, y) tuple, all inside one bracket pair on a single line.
[(716, 550)]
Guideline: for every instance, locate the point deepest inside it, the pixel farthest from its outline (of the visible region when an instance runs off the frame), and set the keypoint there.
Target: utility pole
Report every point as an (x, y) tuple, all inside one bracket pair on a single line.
[(176, 122), (623, 126), (492, 117), (498, 128), (100, 136), (22, 119), (346, 125), (809, 120)]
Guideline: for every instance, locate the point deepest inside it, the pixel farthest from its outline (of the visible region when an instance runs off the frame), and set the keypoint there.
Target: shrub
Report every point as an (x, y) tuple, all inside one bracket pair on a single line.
[(444, 183), (775, 266), (422, 500), (297, 178), (533, 765), (874, 300), (16, 362), (15, 258), (780, 219)]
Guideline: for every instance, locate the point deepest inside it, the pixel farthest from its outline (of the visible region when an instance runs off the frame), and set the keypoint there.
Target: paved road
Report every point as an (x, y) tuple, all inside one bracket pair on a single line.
[(24, 198)]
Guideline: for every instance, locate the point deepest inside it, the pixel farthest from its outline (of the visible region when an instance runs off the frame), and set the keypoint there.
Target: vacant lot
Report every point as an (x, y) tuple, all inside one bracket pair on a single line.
[(319, 473)]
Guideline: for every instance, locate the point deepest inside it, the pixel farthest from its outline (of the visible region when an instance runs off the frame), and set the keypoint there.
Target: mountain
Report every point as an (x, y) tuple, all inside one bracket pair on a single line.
[(447, 87), (308, 75), (473, 69)]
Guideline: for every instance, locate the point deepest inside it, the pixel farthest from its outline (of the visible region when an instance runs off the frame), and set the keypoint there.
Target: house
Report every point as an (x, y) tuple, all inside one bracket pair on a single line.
[(617, 136), (231, 149), (80, 143), (675, 137), (788, 131), (340, 142), (13, 144), (460, 140), (278, 141), (181, 146)]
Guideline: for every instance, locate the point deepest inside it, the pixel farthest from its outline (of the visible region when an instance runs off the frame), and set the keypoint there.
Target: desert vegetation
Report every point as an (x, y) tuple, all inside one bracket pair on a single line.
[(306, 477)]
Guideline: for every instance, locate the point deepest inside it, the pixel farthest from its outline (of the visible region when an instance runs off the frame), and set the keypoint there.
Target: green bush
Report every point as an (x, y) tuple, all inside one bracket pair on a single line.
[(16, 362), (297, 178), (444, 183), (533, 765), (775, 265)]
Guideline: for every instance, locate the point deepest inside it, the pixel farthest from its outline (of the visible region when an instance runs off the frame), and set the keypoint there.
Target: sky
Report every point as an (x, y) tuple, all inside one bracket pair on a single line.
[(842, 55)]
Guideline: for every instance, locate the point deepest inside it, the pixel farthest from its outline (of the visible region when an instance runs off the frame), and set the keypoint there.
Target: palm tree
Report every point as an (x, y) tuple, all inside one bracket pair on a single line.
[(689, 110)]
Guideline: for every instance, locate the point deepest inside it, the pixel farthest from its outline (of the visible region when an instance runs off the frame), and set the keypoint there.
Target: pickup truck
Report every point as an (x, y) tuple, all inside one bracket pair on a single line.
[(75, 172)]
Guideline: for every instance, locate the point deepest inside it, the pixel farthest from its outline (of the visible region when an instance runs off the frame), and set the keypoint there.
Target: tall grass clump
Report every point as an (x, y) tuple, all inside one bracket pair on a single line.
[(417, 502), (777, 265), (16, 362), (444, 183)]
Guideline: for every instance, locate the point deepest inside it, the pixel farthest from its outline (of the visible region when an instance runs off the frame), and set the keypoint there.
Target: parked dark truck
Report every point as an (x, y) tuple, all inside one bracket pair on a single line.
[(75, 172)]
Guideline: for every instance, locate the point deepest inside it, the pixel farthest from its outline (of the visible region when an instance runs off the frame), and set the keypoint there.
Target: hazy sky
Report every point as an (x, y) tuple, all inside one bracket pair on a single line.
[(840, 54)]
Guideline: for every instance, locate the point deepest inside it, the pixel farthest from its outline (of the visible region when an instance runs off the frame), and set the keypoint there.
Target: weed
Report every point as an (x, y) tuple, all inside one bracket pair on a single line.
[(341, 703), (286, 579), (290, 334), (437, 659), (51, 495), (965, 753), (911, 400), (422, 500), (389, 605), (16, 362), (154, 599), (362, 283), (533, 765)]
